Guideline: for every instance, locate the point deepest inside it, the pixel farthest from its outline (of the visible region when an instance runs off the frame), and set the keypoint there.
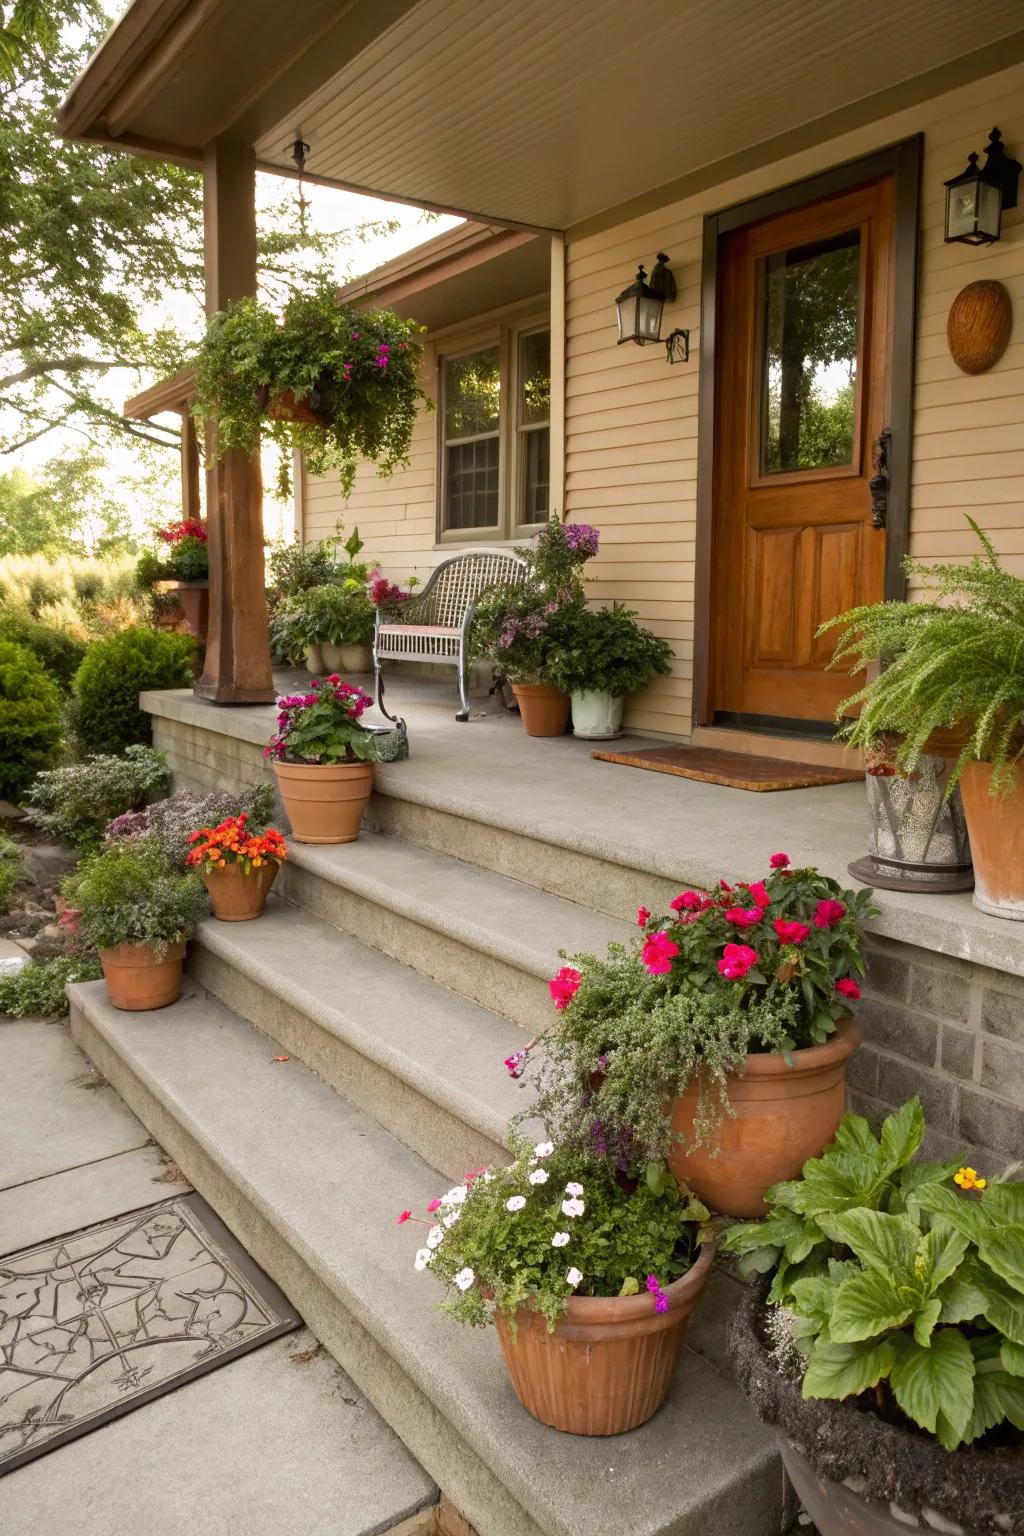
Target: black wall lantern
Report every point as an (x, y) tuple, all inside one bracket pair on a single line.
[(641, 306), (975, 199)]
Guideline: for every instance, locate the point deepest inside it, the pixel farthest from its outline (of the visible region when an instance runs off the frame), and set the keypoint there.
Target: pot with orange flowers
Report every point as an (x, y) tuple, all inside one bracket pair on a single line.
[(718, 1041), (238, 866)]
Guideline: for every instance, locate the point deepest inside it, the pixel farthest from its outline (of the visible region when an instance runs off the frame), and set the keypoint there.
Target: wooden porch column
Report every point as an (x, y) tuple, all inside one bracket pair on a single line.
[(190, 508), (237, 667)]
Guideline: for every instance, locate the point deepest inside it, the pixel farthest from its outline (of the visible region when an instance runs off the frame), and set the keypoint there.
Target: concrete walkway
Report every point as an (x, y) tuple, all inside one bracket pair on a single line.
[(276, 1443)]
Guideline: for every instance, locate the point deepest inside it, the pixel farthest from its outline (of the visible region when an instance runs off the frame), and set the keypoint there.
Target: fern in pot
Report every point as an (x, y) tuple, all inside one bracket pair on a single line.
[(606, 656), (953, 666)]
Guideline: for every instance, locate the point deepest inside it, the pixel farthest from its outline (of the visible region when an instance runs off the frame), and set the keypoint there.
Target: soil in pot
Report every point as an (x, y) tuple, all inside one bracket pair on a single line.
[(995, 824), (325, 801), (235, 896), (544, 709), (596, 716), (607, 1367), (782, 1116), (137, 980)]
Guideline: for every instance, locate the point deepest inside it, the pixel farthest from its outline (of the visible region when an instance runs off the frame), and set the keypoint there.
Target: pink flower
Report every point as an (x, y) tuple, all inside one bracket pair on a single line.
[(828, 913), (847, 987), (760, 895), (564, 986), (743, 917), (435, 1205), (404, 1217), (516, 1062), (736, 961), (643, 916), (790, 932), (691, 901), (779, 861), (658, 953)]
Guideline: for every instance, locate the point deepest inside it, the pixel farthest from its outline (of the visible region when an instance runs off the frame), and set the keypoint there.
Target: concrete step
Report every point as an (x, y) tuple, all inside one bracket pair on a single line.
[(422, 1061), (311, 1185), (492, 938)]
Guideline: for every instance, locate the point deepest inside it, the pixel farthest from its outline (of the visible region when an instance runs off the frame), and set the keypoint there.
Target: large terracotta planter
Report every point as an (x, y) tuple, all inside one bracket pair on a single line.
[(995, 824), (544, 709), (235, 896), (838, 1510), (325, 801), (137, 980), (783, 1115), (608, 1364)]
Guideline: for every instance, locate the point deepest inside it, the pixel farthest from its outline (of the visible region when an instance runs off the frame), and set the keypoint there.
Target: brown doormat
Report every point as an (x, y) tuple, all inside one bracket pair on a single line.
[(101, 1321), (736, 770)]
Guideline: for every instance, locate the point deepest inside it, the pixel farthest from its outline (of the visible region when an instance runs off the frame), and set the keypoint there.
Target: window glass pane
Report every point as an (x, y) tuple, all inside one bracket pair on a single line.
[(534, 377), (811, 317), (534, 474), (471, 484), (472, 394)]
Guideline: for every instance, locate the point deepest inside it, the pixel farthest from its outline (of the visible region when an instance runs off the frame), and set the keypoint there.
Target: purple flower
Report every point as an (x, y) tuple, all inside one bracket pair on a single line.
[(661, 1302), (582, 539), (653, 1284), (515, 1063)]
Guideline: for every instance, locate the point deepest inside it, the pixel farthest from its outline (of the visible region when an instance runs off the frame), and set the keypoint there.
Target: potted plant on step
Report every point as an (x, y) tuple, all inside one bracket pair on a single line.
[(139, 913), (590, 1283), (179, 578), (238, 865), (884, 1340), (523, 627), (719, 1040), (605, 657), (954, 663), (323, 760)]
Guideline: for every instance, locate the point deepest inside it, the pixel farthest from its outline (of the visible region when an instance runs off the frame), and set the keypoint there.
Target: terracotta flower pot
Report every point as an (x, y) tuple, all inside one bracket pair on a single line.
[(325, 801), (607, 1366), (783, 1116), (995, 824), (194, 597), (544, 709), (237, 897), (137, 980)]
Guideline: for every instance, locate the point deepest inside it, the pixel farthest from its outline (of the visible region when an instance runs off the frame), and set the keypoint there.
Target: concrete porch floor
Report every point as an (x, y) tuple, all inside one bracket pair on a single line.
[(553, 790)]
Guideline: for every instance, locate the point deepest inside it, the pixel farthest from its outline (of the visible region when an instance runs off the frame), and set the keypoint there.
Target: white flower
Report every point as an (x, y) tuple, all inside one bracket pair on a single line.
[(455, 1195), (464, 1279), (544, 1148), (574, 1189), (560, 1239), (539, 1176), (451, 1218), (423, 1258), (573, 1277), (516, 1203), (573, 1207), (434, 1236)]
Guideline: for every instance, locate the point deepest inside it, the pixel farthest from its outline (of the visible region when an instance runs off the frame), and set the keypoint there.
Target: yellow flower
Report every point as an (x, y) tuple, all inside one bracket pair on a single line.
[(967, 1178)]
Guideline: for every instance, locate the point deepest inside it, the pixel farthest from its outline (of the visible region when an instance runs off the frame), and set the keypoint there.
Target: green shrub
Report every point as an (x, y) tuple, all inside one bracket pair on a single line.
[(341, 614), (187, 560), (75, 803), (60, 652), (39, 987), (104, 713), (606, 651), (10, 870), (129, 894), (30, 708)]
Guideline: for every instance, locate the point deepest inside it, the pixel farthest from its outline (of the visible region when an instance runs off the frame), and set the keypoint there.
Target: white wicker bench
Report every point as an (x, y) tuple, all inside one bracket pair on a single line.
[(434, 625)]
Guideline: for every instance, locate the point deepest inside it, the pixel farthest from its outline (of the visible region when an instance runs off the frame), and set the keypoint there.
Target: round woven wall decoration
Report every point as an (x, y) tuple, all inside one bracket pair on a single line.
[(979, 325)]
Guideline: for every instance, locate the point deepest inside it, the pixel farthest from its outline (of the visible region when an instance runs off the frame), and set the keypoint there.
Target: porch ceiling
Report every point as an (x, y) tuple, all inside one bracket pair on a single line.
[(537, 113)]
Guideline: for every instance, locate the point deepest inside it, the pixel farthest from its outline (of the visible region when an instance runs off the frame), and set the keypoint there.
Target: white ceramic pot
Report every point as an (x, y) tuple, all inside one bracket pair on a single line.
[(314, 661), (596, 716), (356, 658)]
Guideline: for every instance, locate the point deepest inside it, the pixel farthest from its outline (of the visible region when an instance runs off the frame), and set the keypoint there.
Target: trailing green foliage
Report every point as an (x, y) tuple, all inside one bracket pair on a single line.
[(955, 661), (104, 711), (30, 719), (129, 894), (338, 614), (606, 651), (10, 870), (75, 803), (897, 1283), (60, 652), (39, 988)]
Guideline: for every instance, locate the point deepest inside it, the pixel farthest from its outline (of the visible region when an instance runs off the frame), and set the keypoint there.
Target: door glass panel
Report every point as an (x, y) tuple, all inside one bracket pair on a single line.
[(811, 326)]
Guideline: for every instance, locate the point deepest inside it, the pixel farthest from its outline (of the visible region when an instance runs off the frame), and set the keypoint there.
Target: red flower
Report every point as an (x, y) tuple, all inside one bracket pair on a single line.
[(435, 1205), (790, 932), (828, 913), (564, 986), (759, 893), (643, 916), (690, 901), (779, 861), (404, 1217), (658, 953), (847, 987), (743, 917), (736, 961)]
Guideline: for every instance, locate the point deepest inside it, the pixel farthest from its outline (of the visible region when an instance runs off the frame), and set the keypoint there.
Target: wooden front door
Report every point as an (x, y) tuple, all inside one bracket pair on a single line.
[(802, 391)]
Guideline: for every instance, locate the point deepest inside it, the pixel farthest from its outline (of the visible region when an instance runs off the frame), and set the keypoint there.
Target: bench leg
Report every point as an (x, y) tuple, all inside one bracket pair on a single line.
[(378, 689), (462, 715)]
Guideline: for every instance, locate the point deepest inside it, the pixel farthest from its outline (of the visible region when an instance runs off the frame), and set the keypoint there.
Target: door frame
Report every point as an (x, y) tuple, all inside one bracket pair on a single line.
[(903, 162)]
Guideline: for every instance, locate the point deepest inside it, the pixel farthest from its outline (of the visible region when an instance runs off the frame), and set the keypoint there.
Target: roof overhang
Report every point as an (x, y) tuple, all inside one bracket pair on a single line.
[(171, 394), (527, 115)]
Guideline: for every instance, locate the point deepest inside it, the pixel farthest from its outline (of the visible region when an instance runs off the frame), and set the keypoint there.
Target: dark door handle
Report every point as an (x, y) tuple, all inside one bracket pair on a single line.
[(878, 485)]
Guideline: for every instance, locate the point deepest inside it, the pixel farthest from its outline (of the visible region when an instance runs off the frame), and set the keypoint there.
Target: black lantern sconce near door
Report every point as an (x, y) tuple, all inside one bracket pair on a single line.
[(976, 199), (640, 308)]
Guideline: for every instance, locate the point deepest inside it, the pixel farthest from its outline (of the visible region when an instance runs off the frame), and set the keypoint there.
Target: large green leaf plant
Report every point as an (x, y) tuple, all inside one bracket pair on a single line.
[(897, 1282)]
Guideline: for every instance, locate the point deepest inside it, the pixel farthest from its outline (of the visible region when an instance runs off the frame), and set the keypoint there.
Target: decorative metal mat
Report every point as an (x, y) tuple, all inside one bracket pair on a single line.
[(98, 1322)]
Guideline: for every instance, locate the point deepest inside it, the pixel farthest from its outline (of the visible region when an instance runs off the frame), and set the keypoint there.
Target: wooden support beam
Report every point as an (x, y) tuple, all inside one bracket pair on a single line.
[(237, 667), (190, 507)]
